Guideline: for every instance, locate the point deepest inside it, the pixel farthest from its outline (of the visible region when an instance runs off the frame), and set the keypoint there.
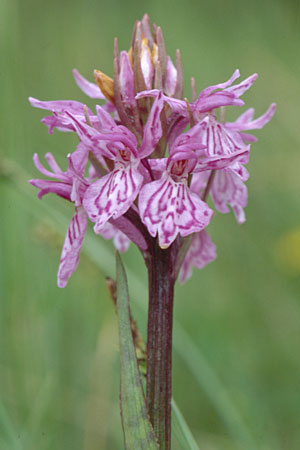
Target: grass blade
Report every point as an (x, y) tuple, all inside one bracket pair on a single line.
[(181, 430), (138, 432)]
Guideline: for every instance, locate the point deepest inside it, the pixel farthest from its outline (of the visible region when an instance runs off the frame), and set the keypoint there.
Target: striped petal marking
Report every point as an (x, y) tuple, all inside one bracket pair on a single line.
[(72, 246), (168, 207), (112, 195)]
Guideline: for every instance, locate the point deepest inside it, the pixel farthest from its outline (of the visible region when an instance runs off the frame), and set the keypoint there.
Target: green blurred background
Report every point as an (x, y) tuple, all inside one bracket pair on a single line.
[(59, 377)]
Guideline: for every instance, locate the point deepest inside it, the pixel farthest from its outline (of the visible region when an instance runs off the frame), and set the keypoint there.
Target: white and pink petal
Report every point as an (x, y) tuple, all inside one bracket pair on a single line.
[(229, 189), (169, 208), (112, 195), (202, 251), (72, 247)]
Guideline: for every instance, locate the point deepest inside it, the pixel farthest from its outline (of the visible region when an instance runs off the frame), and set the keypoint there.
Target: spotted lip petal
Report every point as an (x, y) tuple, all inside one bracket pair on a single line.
[(168, 208), (112, 195), (72, 246)]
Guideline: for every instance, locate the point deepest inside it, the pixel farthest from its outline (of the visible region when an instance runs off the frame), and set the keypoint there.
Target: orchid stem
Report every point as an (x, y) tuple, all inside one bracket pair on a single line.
[(159, 343)]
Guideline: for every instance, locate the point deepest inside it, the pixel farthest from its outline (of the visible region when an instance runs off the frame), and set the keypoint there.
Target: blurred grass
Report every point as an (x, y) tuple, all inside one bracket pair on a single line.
[(59, 377)]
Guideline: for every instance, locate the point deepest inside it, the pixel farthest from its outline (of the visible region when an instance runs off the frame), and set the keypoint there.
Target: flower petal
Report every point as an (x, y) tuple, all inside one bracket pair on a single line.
[(126, 80), (146, 64), (216, 100), (210, 89), (229, 189), (178, 106), (153, 128), (168, 208), (106, 122), (121, 241), (201, 252), (245, 122), (171, 77), (56, 187), (219, 140), (92, 90), (72, 246), (232, 160), (112, 195), (130, 231), (242, 87), (59, 106), (189, 141)]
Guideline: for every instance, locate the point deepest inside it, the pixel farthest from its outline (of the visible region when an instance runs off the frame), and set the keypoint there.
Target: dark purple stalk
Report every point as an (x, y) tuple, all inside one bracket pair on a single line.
[(159, 342)]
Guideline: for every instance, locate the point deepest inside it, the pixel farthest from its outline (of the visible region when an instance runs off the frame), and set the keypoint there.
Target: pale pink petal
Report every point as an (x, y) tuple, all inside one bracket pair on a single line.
[(246, 117), (72, 246), (246, 123), (199, 181), (92, 90), (232, 160), (153, 128), (189, 142), (121, 241), (219, 140), (248, 137), (210, 89), (171, 78), (216, 100), (242, 87), (178, 106), (201, 252), (56, 187), (159, 165), (168, 208), (229, 189), (98, 143), (112, 195), (57, 172), (60, 106), (79, 158), (131, 231), (146, 65), (58, 121), (106, 122), (126, 80)]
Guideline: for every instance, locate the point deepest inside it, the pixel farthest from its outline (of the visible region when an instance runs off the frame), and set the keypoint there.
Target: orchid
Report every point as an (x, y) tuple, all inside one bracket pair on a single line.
[(146, 164)]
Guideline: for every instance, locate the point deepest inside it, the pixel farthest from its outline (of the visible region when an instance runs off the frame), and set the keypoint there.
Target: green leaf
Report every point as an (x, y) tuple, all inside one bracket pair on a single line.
[(181, 430), (138, 432)]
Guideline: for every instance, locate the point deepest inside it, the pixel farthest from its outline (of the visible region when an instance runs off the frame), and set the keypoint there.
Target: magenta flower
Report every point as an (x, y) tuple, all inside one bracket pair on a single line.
[(148, 177), (113, 194), (146, 163)]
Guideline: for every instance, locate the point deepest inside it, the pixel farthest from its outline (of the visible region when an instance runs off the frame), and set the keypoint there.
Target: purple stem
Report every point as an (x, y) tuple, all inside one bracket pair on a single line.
[(159, 341)]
